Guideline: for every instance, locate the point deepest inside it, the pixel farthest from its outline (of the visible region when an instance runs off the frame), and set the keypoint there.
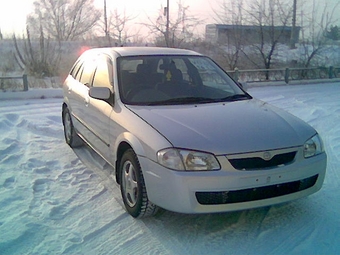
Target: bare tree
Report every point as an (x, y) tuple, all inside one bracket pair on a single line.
[(116, 27), (314, 24), (254, 30), (175, 30), (63, 20), (39, 58), (119, 24), (270, 18), (230, 49)]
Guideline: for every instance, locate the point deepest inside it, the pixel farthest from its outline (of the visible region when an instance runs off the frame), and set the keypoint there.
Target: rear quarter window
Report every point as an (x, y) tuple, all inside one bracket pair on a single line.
[(76, 69)]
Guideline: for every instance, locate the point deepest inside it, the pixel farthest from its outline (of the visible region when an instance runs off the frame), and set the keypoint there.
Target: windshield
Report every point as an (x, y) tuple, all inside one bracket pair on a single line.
[(164, 80)]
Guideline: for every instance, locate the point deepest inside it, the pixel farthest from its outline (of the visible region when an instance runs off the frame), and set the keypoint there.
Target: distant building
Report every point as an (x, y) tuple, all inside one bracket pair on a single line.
[(248, 34)]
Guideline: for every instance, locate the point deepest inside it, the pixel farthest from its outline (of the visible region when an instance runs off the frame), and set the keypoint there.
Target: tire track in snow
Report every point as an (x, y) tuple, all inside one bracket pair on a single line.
[(70, 194), (26, 173)]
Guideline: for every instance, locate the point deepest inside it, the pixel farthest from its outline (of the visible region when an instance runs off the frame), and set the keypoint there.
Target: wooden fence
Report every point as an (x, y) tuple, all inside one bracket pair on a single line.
[(286, 75), (259, 75), (23, 78)]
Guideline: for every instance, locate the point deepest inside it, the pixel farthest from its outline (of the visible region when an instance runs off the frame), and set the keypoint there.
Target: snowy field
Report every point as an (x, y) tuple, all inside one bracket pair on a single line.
[(54, 200)]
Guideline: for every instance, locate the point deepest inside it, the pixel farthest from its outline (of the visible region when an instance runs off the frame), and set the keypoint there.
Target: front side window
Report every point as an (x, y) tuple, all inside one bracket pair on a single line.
[(103, 73), (88, 69), (164, 80)]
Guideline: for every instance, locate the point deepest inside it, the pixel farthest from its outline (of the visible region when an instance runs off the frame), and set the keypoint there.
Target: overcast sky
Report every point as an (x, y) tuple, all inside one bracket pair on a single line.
[(13, 12)]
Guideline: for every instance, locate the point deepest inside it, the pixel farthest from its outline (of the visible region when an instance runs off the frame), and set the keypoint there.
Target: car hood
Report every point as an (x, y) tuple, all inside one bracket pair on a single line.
[(227, 128)]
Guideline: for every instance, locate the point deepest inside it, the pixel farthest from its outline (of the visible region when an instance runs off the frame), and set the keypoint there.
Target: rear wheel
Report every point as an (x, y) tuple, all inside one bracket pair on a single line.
[(133, 188), (71, 137)]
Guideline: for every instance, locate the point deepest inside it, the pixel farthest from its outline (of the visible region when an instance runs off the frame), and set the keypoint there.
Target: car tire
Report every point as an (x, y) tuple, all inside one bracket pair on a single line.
[(133, 188), (71, 137)]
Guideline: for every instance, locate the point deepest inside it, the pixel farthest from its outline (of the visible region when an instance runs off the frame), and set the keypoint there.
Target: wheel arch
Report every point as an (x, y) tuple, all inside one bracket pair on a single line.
[(124, 142), (122, 148)]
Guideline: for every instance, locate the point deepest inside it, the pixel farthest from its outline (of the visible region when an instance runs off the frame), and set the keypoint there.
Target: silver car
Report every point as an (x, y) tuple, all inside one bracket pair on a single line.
[(183, 136)]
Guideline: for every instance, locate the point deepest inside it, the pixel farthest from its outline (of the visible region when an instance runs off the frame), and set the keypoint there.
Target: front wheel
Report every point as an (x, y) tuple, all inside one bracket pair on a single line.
[(133, 188)]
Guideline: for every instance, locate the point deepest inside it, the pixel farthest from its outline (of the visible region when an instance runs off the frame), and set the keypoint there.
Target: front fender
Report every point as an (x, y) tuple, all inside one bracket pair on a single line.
[(133, 142), (124, 142), (143, 149)]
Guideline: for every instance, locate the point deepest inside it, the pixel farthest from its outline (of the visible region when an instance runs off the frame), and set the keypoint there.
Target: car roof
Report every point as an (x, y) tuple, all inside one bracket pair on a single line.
[(141, 51)]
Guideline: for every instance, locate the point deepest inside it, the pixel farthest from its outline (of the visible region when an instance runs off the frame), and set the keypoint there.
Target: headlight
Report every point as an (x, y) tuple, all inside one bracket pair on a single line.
[(179, 159), (313, 147)]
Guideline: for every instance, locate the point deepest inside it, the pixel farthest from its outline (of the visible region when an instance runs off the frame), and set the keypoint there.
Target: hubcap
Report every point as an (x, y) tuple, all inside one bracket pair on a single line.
[(130, 186)]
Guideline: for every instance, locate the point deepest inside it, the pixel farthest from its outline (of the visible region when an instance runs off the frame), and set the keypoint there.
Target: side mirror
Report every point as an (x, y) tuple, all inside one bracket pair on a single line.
[(101, 93)]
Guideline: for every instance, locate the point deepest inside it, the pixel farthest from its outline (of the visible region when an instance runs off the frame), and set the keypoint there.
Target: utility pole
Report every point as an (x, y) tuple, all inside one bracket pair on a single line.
[(167, 24), (107, 34), (292, 35)]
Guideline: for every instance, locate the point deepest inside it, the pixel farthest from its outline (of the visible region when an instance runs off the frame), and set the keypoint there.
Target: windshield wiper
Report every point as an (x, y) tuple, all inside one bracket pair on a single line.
[(200, 100), (236, 97), (184, 100)]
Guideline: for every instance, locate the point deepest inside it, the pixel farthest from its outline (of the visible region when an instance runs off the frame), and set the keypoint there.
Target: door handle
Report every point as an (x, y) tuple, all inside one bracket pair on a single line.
[(87, 101)]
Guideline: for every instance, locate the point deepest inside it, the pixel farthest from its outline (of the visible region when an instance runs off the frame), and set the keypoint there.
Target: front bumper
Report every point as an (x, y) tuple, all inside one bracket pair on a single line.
[(209, 191)]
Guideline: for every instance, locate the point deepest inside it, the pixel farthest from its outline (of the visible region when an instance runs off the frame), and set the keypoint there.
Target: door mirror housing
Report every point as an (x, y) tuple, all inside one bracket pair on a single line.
[(101, 93)]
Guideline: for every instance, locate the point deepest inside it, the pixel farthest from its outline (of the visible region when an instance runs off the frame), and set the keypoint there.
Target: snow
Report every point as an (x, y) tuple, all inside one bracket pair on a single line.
[(55, 200), (32, 94)]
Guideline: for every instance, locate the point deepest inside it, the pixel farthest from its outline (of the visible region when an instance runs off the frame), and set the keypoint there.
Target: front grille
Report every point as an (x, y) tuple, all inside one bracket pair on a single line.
[(253, 194), (259, 163)]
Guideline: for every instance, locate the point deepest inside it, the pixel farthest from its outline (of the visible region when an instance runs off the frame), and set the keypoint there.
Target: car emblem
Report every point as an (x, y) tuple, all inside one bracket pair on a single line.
[(267, 156)]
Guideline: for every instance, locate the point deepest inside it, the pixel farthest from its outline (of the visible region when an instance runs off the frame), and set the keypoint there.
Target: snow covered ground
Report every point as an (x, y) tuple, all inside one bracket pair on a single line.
[(55, 200)]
